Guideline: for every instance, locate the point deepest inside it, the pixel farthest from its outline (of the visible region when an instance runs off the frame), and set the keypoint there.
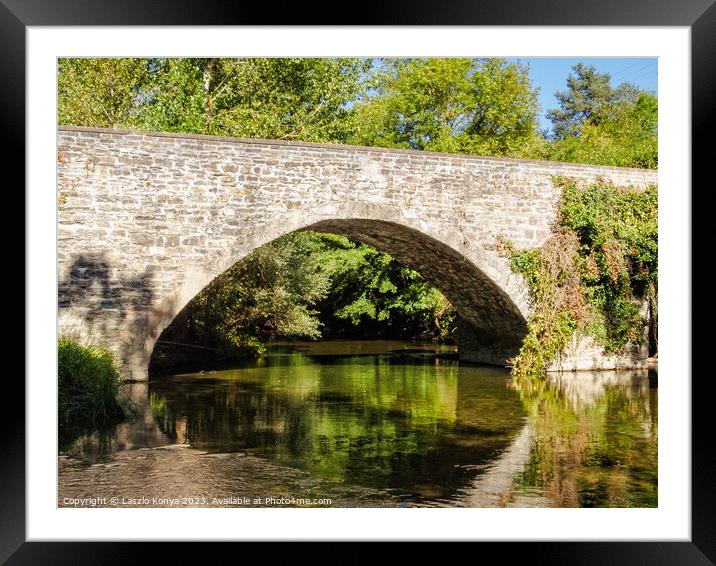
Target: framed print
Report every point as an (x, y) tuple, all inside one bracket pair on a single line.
[(311, 307)]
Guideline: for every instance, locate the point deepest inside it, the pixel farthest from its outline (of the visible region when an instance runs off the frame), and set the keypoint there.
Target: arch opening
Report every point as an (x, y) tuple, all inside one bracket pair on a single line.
[(490, 326)]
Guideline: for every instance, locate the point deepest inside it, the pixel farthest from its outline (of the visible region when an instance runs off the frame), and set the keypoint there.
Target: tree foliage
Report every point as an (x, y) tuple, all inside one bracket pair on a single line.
[(308, 285), (276, 98), (473, 106), (478, 106), (589, 99), (269, 294), (597, 123), (102, 93), (372, 294), (626, 138)]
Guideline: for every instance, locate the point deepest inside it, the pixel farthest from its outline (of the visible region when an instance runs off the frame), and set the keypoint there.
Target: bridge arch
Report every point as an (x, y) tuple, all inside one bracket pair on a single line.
[(493, 308), (147, 220)]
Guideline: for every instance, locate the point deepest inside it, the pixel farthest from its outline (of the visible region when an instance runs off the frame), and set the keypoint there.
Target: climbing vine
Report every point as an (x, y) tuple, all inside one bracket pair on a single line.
[(591, 275)]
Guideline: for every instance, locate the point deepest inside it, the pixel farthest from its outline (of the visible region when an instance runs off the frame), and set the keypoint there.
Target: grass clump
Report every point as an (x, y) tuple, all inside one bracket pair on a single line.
[(88, 385)]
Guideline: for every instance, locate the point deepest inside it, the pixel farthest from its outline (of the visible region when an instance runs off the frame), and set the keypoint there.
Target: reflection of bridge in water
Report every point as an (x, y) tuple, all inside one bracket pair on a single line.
[(578, 395)]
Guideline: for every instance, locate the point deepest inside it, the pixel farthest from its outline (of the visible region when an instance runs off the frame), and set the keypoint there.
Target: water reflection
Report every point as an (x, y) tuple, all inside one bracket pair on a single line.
[(595, 440), (142, 430), (380, 421), (408, 425)]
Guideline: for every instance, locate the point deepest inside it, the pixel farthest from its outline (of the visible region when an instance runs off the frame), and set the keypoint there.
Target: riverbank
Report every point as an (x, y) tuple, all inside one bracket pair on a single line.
[(180, 476)]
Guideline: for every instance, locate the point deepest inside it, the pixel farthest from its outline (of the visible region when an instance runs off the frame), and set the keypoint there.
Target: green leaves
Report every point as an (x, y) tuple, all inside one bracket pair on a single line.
[(267, 295), (597, 123), (276, 98), (373, 295), (456, 105), (627, 138), (595, 284), (484, 106), (602, 214), (588, 100), (619, 232), (304, 285), (101, 93)]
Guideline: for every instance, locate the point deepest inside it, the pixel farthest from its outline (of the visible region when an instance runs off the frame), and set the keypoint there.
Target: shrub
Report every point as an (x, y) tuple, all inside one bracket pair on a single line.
[(590, 275), (88, 384)]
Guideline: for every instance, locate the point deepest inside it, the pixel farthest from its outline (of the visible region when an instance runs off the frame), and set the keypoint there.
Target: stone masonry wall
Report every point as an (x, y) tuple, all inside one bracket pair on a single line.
[(146, 220)]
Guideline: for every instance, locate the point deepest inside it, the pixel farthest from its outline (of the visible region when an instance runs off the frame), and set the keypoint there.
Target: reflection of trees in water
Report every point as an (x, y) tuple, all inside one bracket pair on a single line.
[(436, 430), (424, 427), (595, 439), (149, 424), (163, 416), (87, 442)]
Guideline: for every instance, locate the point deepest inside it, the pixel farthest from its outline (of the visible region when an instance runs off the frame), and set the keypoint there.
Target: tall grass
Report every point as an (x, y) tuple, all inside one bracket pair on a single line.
[(88, 385)]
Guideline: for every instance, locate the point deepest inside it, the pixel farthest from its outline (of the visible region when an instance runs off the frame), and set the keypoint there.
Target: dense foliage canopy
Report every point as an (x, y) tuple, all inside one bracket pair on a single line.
[(478, 106), (309, 285), (459, 105)]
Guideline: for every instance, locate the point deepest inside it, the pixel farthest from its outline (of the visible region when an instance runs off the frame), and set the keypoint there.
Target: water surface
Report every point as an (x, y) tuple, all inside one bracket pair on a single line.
[(347, 424)]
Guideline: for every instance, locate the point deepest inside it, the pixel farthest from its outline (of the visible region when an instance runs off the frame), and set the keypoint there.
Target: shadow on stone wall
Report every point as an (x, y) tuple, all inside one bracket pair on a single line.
[(90, 284), (99, 306)]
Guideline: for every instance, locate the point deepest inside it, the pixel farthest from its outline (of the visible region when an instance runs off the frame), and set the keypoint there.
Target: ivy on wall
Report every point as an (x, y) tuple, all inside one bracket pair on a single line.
[(592, 274)]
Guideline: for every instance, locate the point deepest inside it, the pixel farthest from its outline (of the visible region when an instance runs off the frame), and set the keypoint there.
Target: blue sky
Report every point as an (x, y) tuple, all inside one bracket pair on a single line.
[(550, 75)]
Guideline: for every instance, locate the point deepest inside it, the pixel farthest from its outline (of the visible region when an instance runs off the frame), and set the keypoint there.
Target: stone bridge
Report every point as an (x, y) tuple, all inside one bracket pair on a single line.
[(146, 220)]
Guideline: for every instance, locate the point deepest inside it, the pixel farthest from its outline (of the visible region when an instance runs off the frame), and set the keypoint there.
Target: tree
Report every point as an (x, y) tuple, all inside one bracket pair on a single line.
[(103, 93), (276, 98), (479, 106), (372, 295), (287, 98), (269, 294), (626, 137), (588, 100), (305, 282)]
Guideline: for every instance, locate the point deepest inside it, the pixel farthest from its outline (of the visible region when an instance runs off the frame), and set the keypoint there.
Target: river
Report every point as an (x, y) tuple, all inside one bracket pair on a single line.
[(371, 424)]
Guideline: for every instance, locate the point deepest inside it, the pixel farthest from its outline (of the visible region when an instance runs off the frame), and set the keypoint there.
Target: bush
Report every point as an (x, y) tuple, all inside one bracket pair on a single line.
[(599, 263), (88, 384)]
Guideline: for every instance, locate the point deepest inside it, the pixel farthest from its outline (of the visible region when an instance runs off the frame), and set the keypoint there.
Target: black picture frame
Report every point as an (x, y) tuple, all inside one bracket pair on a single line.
[(698, 15)]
